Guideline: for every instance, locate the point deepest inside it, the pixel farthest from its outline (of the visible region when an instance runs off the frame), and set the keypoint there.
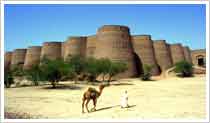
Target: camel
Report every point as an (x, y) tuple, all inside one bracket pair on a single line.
[(91, 94)]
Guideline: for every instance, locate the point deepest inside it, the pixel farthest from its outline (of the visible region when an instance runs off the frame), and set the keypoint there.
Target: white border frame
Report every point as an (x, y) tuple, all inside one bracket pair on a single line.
[(103, 2)]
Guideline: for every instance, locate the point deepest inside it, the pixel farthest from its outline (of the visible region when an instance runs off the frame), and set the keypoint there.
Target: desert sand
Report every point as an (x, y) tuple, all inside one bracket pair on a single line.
[(173, 97)]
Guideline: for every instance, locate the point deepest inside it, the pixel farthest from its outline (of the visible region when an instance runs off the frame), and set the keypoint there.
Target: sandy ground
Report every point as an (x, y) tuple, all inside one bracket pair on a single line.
[(180, 98)]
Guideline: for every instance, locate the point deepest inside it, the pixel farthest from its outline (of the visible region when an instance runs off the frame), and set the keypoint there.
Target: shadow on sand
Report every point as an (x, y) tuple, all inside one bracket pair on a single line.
[(109, 107), (119, 84), (130, 106), (62, 87), (148, 81), (105, 108)]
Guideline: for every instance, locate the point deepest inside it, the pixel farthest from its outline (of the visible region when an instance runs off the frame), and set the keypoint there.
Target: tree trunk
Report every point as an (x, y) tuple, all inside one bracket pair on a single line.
[(36, 83), (7, 85), (103, 77), (109, 80), (94, 78), (76, 79), (53, 84)]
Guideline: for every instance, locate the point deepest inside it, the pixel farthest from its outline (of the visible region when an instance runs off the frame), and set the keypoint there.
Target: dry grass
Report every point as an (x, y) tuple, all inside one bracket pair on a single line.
[(182, 98)]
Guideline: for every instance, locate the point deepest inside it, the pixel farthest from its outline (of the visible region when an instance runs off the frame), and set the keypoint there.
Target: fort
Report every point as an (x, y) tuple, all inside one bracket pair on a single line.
[(116, 43)]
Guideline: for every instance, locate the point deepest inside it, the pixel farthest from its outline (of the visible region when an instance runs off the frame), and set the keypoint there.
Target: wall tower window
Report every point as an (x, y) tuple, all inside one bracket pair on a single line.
[(200, 60)]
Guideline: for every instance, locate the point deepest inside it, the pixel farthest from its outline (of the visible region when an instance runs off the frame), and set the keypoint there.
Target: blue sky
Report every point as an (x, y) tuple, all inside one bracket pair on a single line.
[(29, 25)]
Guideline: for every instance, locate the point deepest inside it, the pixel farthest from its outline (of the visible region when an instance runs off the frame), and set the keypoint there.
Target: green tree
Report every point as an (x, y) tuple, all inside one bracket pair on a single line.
[(116, 68), (104, 66), (77, 64), (184, 68), (92, 68), (146, 72), (8, 78), (17, 70), (53, 70), (34, 74)]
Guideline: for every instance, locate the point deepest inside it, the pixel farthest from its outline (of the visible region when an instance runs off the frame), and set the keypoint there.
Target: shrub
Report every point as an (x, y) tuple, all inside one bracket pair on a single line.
[(34, 74), (146, 72), (17, 70), (116, 68), (77, 65), (10, 74), (184, 69), (53, 70), (8, 78), (104, 66), (92, 68)]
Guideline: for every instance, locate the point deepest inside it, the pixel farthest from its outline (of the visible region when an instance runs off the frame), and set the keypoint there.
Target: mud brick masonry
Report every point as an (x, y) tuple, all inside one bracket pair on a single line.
[(116, 43)]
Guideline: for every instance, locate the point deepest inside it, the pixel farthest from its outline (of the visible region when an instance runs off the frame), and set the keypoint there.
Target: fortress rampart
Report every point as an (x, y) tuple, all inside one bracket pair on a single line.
[(7, 60), (62, 49), (162, 54), (116, 43), (177, 53), (51, 50), (187, 54), (18, 57), (91, 46), (143, 47), (199, 57), (75, 46), (32, 56)]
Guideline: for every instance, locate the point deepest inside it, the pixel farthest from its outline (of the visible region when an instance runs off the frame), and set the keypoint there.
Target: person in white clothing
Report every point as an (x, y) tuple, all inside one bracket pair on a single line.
[(124, 100)]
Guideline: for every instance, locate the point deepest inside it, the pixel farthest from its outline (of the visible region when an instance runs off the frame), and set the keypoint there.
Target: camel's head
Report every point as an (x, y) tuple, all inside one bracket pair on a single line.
[(101, 86)]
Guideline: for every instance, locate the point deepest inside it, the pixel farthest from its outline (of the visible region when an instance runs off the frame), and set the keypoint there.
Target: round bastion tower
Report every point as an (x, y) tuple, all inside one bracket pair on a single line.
[(187, 54), (91, 46), (114, 42), (32, 56), (143, 47), (162, 54), (51, 50), (75, 46), (7, 60), (177, 52), (62, 49), (18, 57)]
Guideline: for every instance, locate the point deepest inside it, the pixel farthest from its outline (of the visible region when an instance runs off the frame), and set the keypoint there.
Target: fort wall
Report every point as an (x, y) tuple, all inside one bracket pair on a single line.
[(198, 56), (75, 46), (143, 47), (177, 53), (7, 60), (32, 56), (187, 54), (162, 54), (18, 57), (62, 49), (51, 50), (116, 42), (91, 46)]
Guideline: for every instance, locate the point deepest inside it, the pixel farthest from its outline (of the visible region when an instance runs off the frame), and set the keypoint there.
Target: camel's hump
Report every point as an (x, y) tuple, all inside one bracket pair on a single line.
[(91, 89)]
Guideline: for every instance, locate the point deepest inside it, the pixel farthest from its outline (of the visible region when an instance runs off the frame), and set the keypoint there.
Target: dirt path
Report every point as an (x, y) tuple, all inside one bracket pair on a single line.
[(168, 98)]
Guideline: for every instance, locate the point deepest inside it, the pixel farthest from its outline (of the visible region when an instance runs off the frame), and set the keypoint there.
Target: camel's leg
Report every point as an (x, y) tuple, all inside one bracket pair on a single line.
[(94, 103), (83, 102), (86, 104)]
